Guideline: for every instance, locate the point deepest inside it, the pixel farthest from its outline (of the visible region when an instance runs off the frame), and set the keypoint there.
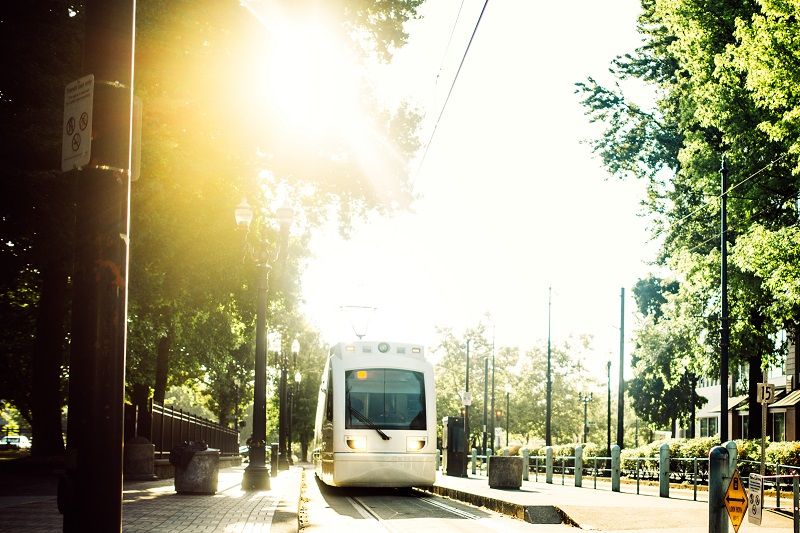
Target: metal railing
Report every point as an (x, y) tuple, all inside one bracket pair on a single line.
[(171, 427)]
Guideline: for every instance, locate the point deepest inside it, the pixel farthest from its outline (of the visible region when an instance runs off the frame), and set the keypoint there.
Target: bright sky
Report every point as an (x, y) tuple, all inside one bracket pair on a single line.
[(510, 201)]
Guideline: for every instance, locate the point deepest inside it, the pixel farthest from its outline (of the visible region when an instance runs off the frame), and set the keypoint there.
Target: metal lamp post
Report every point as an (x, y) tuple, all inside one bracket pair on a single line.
[(291, 392), (585, 398), (256, 475), (284, 216), (608, 415), (508, 411)]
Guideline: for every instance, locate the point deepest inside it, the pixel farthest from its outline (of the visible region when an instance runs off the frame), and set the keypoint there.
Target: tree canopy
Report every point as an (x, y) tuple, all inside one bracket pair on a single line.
[(723, 78)]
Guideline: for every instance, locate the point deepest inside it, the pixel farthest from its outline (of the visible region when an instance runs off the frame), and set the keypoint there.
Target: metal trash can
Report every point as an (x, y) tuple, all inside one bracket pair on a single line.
[(196, 468)]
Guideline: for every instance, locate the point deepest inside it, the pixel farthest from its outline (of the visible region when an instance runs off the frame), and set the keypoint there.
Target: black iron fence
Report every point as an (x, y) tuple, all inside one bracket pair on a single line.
[(168, 427), (171, 427)]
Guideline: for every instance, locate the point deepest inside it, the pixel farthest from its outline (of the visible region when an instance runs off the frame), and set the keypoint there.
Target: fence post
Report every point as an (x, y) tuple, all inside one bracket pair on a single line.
[(474, 460), (717, 483), (505, 452), (694, 476), (526, 464), (578, 465), (795, 508), (663, 470), (548, 464), (615, 467)]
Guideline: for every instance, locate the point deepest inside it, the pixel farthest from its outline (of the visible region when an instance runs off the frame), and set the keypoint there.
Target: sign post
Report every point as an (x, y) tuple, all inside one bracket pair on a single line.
[(765, 396), (755, 498), (735, 500)]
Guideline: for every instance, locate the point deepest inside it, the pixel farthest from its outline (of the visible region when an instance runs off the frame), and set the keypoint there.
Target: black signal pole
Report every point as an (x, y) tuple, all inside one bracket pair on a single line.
[(621, 391), (725, 331), (547, 432), (90, 493), (608, 413), (467, 401)]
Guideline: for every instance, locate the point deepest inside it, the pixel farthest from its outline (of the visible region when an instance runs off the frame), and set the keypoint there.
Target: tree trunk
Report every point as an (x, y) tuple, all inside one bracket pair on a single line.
[(303, 446), (46, 399), (162, 368), (754, 376), (141, 397)]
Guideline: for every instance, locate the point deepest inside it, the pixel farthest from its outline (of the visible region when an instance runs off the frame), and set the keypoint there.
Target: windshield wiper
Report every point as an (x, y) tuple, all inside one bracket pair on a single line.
[(369, 423)]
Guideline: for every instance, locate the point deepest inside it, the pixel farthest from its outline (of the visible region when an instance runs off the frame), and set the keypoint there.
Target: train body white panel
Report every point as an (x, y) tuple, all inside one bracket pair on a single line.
[(376, 417)]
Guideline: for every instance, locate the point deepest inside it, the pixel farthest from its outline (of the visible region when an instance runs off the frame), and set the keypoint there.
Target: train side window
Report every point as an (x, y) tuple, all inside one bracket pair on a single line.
[(329, 398)]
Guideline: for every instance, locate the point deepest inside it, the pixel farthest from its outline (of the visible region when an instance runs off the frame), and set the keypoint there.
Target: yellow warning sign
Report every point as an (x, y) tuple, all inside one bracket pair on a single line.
[(736, 500)]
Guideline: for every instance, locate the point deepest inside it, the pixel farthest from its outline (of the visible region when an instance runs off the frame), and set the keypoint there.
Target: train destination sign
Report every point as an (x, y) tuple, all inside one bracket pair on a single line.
[(736, 500)]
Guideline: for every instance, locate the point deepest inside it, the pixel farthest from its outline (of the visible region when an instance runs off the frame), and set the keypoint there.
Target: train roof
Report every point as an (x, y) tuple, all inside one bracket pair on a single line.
[(379, 348)]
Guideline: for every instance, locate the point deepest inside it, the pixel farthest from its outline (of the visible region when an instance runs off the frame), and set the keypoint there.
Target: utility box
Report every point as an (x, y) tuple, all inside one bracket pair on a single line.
[(454, 446)]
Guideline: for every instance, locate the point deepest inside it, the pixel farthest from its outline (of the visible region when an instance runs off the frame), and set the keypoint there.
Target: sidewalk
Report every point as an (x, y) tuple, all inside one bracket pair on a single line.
[(597, 509), (153, 506)]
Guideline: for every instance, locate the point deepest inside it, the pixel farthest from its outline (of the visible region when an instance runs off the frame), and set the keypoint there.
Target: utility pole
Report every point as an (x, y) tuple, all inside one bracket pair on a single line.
[(724, 338), (608, 414), (547, 429), (492, 407), (485, 399), (467, 401), (621, 394), (90, 493)]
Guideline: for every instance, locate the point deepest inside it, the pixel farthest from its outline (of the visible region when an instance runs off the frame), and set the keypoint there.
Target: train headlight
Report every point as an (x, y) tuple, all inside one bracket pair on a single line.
[(356, 442), (414, 444)]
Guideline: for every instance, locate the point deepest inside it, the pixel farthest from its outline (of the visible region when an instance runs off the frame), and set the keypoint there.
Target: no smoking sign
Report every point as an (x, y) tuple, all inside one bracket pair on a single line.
[(76, 137)]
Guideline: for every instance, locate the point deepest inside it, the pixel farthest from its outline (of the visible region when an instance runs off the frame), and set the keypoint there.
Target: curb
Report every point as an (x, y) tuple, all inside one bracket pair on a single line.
[(533, 514)]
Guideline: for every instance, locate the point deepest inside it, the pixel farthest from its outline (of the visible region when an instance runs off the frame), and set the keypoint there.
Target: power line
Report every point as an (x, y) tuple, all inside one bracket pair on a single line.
[(452, 85)]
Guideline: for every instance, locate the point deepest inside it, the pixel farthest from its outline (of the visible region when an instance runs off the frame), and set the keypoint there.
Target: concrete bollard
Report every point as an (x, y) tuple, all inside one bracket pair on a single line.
[(474, 461), (718, 477), (526, 464), (578, 465), (548, 464), (616, 469), (438, 459), (139, 460), (733, 455), (506, 452), (663, 470), (505, 472)]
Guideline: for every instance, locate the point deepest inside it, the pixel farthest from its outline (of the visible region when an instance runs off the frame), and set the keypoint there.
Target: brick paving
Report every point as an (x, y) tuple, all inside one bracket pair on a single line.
[(154, 506)]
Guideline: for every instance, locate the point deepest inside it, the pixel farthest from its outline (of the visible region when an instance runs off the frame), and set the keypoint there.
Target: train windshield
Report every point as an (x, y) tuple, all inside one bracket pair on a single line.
[(384, 398)]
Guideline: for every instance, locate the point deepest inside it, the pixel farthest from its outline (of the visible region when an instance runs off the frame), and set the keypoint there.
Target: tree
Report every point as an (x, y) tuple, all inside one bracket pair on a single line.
[(700, 58)]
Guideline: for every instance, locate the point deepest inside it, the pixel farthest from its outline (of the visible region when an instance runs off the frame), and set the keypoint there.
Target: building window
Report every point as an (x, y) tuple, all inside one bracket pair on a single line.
[(778, 427), (709, 427), (745, 420)]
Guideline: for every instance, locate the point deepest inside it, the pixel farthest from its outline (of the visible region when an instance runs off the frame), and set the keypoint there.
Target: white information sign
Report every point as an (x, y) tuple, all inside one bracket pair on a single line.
[(755, 496), (76, 135), (466, 398)]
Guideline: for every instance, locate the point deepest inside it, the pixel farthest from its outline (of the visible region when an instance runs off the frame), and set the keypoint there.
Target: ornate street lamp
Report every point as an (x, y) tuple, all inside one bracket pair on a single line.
[(256, 475), (585, 398), (291, 392)]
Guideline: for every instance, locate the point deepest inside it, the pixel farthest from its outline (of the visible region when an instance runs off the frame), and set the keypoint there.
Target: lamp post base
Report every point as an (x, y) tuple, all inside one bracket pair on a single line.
[(255, 478)]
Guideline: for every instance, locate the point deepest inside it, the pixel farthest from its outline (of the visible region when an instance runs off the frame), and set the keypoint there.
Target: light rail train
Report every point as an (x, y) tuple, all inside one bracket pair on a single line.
[(376, 417)]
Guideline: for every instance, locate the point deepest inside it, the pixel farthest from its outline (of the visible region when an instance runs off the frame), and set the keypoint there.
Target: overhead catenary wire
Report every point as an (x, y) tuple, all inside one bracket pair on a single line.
[(449, 41), (719, 197), (450, 91)]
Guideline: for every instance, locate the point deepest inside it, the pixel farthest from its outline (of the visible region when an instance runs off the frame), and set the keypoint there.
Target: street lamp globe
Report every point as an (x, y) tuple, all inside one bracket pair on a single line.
[(243, 214), (284, 214), (295, 347), (297, 377)]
